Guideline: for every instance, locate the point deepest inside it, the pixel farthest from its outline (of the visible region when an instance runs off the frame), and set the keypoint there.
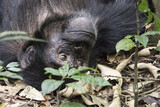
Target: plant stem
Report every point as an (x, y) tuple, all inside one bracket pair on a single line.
[(135, 89)]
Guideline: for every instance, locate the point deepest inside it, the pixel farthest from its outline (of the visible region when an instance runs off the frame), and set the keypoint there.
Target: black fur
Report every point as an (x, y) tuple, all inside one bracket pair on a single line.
[(83, 29)]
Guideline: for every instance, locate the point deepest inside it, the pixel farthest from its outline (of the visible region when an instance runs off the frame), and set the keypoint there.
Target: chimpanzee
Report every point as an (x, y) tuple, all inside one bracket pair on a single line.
[(76, 31)]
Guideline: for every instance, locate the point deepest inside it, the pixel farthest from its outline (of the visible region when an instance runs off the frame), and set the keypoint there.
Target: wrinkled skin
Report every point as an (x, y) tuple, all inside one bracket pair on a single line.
[(76, 31)]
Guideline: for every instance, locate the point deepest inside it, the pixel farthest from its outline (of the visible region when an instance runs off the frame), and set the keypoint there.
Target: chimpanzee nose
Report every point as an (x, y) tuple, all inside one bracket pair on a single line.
[(73, 63)]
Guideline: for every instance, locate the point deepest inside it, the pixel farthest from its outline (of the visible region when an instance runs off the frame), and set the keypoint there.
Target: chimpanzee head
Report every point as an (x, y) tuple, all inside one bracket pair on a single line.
[(69, 38)]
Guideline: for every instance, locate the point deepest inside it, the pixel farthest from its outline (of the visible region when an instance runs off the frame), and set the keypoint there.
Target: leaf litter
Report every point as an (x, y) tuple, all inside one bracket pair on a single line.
[(118, 70)]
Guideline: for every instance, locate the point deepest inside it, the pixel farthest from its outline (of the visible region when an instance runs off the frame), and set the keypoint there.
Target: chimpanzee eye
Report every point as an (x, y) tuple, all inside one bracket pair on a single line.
[(63, 57), (80, 62)]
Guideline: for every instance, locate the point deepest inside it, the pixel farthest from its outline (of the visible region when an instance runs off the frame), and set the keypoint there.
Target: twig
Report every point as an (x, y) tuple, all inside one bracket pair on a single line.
[(150, 91), (135, 88)]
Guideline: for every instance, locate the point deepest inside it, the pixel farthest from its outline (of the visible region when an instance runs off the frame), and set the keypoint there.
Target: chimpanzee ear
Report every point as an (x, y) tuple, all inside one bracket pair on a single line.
[(28, 57), (82, 23)]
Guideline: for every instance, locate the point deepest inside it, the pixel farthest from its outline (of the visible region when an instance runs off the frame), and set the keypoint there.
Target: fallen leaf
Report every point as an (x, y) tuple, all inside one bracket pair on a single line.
[(140, 85), (145, 51), (14, 90), (130, 103), (87, 101), (99, 101), (116, 98), (68, 91), (158, 43), (95, 100), (123, 64), (150, 100), (31, 93), (109, 73), (154, 70), (155, 94), (111, 58)]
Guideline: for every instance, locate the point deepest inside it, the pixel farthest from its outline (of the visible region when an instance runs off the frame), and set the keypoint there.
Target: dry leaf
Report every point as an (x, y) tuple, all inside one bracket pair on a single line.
[(140, 84), (149, 27), (99, 101), (12, 105), (130, 103), (68, 91), (87, 101), (158, 43), (109, 73), (154, 70), (32, 93), (145, 51), (116, 98), (13, 90), (155, 94), (95, 100), (152, 105), (111, 57), (123, 64), (112, 74)]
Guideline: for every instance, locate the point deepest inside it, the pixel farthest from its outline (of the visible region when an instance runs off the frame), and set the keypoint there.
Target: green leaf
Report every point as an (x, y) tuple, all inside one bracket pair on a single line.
[(12, 33), (50, 76), (101, 81), (1, 68), (10, 75), (128, 36), (52, 71), (151, 33), (142, 39), (156, 22), (124, 44), (150, 17), (71, 104), (12, 65), (73, 71), (21, 37), (15, 69), (4, 79), (1, 63), (158, 48), (90, 79), (63, 72), (75, 86), (143, 6), (87, 68), (50, 85), (64, 69), (84, 78)]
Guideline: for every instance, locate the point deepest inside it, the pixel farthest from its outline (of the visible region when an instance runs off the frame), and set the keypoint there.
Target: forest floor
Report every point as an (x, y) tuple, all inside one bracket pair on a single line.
[(117, 69)]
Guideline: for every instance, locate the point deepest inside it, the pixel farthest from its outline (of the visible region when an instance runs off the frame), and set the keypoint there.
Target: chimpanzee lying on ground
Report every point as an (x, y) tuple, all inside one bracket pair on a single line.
[(77, 31)]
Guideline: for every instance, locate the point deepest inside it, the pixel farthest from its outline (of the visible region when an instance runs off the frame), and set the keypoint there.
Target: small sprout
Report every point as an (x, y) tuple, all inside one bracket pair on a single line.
[(68, 72)]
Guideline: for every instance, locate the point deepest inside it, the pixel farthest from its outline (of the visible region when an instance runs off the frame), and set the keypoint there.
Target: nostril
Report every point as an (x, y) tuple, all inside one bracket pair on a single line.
[(80, 62), (76, 66), (73, 65)]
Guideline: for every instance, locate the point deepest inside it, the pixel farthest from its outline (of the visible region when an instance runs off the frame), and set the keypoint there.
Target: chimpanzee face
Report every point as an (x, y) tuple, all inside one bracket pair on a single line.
[(67, 41), (61, 49)]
